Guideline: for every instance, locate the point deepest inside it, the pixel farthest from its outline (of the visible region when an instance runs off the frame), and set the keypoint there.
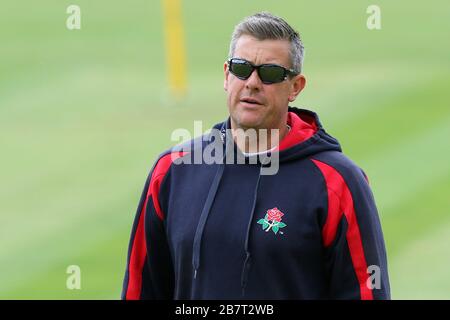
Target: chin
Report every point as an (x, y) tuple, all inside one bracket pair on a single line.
[(249, 122), (248, 118)]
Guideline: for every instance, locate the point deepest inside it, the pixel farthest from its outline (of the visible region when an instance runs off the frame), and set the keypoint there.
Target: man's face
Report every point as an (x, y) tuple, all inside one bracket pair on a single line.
[(270, 109)]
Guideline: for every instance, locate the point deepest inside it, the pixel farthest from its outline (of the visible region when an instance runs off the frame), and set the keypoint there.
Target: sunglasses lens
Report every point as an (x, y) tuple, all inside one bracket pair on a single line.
[(267, 73), (241, 69), (271, 74)]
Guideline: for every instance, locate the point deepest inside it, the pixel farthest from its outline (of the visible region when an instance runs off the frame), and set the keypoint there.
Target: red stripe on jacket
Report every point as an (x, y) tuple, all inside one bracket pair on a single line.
[(340, 202), (139, 248)]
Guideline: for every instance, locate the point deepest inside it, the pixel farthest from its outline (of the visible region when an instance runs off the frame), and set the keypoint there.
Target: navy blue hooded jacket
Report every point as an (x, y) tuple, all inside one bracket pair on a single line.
[(225, 231)]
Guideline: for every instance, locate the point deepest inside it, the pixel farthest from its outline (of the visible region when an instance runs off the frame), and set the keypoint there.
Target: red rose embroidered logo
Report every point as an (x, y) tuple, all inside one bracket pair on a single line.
[(272, 221)]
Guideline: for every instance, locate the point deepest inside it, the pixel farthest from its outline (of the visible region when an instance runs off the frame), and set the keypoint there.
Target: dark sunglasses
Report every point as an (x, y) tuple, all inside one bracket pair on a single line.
[(268, 73)]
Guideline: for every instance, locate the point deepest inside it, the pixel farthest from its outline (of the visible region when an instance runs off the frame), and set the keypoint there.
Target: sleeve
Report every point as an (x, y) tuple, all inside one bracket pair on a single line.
[(355, 254), (149, 271)]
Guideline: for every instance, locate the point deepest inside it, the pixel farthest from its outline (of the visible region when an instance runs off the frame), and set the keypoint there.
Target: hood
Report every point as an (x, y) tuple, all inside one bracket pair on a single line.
[(306, 137)]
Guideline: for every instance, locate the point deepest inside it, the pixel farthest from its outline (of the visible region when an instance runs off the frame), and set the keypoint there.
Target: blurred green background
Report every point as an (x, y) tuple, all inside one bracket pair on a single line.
[(84, 113)]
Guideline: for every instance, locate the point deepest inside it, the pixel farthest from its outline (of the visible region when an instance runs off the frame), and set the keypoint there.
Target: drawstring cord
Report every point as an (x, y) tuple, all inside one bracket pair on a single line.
[(204, 216), (196, 250), (247, 264)]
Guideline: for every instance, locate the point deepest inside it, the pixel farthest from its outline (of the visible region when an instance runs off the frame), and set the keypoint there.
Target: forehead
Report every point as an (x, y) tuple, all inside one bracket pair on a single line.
[(263, 51)]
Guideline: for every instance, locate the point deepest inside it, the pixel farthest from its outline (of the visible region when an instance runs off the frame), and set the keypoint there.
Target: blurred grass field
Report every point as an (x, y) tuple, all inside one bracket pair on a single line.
[(84, 113)]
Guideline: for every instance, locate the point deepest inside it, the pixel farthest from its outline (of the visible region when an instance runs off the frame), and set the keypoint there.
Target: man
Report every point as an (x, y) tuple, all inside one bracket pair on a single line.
[(225, 230)]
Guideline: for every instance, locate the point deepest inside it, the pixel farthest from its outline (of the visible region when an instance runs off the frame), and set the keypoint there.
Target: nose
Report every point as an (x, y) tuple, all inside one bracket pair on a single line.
[(253, 82)]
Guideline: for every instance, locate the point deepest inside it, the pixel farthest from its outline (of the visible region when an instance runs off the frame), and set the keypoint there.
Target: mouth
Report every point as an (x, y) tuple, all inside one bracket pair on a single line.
[(251, 101)]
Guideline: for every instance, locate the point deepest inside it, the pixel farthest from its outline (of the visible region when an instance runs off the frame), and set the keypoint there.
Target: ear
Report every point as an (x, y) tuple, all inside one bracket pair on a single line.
[(298, 83), (226, 73)]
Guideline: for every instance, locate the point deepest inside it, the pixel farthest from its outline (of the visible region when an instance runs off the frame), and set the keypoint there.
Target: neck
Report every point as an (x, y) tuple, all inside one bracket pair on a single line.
[(253, 140)]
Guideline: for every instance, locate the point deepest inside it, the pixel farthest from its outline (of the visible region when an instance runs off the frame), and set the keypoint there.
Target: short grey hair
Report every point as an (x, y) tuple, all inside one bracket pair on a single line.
[(266, 26)]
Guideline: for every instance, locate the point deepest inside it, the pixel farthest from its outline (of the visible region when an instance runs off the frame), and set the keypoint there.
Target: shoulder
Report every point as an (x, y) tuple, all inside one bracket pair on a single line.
[(337, 168), (186, 152)]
